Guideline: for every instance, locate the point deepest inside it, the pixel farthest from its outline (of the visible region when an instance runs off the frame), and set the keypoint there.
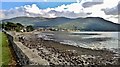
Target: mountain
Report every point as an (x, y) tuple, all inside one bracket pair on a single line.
[(37, 21), (89, 23), (24, 20)]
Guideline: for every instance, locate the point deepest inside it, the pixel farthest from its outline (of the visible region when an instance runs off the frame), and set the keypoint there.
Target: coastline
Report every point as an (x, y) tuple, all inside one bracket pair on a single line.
[(35, 43), (90, 40)]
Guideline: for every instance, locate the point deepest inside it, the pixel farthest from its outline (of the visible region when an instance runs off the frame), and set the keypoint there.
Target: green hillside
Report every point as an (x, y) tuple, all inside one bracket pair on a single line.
[(86, 24), (25, 20), (91, 24)]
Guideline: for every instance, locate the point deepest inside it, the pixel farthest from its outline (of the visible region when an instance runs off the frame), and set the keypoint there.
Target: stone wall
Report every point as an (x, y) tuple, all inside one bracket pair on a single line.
[(21, 58)]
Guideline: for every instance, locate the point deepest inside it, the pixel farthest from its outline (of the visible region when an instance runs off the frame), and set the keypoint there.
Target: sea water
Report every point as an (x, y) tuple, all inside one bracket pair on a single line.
[(93, 40)]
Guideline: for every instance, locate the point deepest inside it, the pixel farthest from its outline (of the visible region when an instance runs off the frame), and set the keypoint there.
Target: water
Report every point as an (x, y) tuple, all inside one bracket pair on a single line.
[(93, 40)]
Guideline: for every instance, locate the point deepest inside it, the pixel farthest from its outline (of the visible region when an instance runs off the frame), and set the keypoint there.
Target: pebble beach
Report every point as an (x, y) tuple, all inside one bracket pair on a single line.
[(56, 53)]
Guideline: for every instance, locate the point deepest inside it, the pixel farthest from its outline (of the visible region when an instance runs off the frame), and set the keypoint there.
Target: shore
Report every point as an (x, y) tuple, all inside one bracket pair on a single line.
[(62, 54)]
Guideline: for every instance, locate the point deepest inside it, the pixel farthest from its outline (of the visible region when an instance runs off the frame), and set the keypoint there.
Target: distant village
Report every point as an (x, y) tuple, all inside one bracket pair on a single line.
[(54, 29)]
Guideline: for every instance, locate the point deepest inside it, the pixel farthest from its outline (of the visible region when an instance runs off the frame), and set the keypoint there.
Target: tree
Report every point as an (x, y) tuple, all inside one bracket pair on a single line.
[(12, 26), (19, 27), (29, 28)]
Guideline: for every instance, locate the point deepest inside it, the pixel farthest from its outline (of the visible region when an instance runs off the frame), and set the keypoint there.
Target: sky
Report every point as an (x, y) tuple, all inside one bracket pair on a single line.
[(107, 9), (42, 5)]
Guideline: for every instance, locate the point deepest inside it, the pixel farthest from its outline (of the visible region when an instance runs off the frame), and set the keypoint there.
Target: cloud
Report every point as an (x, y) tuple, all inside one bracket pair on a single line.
[(78, 1), (2, 15), (85, 8), (104, 10), (12, 13), (69, 11), (91, 3), (32, 9), (113, 18), (112, 11)]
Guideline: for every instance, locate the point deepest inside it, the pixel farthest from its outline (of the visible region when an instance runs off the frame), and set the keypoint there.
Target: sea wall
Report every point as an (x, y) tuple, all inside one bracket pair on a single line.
[(24, 55), (21, 58)]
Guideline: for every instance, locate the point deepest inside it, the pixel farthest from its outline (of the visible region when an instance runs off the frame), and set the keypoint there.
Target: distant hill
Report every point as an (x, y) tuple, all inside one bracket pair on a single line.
[(89, 23), (24, 20)]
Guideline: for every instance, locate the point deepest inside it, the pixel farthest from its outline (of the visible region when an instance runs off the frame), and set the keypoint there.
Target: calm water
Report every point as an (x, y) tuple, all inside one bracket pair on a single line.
[(94, 40)]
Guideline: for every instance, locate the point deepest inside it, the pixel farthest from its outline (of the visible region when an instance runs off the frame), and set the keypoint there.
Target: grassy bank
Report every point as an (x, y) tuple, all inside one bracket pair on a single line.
[(5, 53), (0, 49)]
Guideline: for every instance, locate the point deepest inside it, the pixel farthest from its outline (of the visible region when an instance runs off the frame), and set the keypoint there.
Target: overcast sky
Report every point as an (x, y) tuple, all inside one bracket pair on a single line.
[(107, 9)]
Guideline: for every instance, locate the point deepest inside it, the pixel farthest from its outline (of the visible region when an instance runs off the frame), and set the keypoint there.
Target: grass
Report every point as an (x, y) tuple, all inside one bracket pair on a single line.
[(5, 53), (0, 49)]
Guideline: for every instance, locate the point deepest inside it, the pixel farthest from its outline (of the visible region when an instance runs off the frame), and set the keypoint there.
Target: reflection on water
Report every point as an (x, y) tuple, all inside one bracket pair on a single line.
[(94, 40)]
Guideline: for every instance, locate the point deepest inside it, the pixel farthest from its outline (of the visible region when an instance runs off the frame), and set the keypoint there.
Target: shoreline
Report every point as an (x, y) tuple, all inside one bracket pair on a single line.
[(52, 47), (50, 36), (79, 50)]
